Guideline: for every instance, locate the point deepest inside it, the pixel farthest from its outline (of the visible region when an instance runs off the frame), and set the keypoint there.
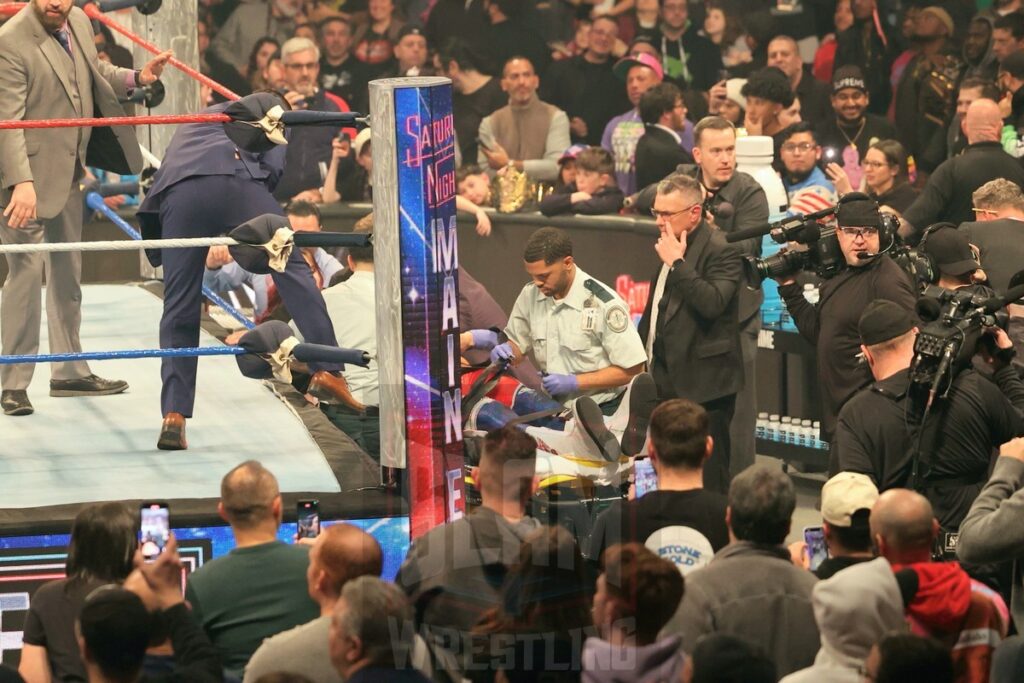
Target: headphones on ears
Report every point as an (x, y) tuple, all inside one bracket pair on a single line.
[(888, 224), (922, 264)]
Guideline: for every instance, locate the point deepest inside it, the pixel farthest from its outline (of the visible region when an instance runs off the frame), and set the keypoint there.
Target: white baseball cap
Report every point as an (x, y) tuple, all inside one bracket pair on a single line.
[(844, 494)]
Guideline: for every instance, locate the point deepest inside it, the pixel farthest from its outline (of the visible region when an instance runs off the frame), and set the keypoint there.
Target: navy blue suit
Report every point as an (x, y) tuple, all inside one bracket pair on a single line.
[(204, 188)]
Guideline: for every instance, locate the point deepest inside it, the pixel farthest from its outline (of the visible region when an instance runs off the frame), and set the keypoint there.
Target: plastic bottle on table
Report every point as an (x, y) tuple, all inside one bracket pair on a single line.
[(762, 426), (786, 430)]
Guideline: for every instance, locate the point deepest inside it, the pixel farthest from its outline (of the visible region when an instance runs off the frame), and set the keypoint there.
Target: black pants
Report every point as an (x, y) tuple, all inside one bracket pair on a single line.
[(716, 469)]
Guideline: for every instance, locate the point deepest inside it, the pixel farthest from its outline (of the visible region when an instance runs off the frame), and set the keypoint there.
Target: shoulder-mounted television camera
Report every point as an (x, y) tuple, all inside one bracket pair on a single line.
[(954, 322), (823, 255)]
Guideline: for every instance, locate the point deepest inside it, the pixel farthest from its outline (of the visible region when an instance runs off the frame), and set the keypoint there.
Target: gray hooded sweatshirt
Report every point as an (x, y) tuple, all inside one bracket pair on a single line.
[(854, 610), (660, 662)]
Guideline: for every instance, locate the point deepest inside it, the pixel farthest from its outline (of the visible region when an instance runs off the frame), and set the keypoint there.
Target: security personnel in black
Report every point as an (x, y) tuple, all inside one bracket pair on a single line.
[(831, 325), (733, 201), (878, 429)]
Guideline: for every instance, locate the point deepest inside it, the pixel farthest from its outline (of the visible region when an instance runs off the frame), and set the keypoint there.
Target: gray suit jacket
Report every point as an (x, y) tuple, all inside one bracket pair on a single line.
[(38, 82)]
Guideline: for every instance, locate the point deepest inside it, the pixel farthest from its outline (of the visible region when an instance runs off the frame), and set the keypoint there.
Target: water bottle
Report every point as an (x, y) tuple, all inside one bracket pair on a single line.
[(762, 426), (806, 434), (774, 426), (784, 430), (816, 428), (754, 155)]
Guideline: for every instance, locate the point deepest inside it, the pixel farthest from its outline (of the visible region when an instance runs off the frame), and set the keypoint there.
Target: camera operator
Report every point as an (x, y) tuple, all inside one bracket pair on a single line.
[(955, 262), (831, 325), (733, 201), (879, 429)]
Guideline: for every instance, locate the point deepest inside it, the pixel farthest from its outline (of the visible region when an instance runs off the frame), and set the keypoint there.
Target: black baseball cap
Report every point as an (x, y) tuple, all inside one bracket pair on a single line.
[(848, 77), (883, 320), (857, 210), (951, 252)]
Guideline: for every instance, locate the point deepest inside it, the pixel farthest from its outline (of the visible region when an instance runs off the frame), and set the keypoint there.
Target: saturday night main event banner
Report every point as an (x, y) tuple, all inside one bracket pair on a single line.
[(425, 145)]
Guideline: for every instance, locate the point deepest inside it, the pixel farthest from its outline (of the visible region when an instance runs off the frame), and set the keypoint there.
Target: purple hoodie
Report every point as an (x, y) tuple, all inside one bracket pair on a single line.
[(620, 138), (607, 663)]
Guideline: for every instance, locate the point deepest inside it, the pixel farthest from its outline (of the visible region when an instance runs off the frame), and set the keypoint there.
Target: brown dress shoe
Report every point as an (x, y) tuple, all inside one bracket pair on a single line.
[(331, 388), (172, 433)]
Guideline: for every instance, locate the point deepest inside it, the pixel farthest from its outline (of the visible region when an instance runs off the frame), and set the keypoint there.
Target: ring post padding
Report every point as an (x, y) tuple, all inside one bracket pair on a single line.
[(416, 273)]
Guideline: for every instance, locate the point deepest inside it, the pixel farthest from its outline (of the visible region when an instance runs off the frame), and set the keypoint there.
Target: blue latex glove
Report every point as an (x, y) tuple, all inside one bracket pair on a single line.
[(503, 352), (560, 385), (484, 339)]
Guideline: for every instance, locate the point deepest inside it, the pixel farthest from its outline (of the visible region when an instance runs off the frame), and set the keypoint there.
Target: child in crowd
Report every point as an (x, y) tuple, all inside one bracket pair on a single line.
[(474, 184), (594, 191), (474, 193), (567, 167)]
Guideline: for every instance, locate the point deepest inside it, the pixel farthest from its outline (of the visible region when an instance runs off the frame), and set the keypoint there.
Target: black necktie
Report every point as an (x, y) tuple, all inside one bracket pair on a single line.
[(64, 39)]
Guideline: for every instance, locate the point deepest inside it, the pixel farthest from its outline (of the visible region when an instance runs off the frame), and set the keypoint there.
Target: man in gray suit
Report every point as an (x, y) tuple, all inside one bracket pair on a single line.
[(49, 70)]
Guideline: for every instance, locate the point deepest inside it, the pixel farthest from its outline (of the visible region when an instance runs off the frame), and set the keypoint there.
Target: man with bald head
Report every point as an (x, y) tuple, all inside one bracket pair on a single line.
[(815, 97), (941, 599), (259, 588), (903, 527), (947, 195), (342, 552)]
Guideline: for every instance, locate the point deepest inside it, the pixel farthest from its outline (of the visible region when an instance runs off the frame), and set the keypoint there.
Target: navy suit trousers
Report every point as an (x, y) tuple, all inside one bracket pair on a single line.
[(208, 206)]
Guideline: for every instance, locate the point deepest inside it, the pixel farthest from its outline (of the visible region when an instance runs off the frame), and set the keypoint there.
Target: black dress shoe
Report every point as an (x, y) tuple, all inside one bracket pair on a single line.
[(643, 399), (15, 402), (172, 433), (589, 416), (87, 386)]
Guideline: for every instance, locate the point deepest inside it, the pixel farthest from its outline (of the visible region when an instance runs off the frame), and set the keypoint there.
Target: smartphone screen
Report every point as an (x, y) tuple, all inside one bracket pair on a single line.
[(307, 512), (817, 550), (154, 529), (646, 479)]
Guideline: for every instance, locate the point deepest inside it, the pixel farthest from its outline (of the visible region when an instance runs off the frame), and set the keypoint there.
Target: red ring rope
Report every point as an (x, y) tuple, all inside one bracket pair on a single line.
[(94, 12), (9, 124)]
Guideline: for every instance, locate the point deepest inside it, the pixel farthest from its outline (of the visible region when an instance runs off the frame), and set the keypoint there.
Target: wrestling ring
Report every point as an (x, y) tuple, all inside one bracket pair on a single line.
[(90, 449)]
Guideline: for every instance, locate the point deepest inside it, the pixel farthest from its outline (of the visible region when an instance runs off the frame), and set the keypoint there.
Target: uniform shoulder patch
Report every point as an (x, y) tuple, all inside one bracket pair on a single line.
[(598, 290), (616, 318)]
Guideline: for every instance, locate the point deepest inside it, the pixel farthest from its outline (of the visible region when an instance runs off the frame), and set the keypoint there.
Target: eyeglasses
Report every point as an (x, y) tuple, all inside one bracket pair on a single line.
[(669, 215), (987, 212), (858, 232), (798, 147), (874, 164)]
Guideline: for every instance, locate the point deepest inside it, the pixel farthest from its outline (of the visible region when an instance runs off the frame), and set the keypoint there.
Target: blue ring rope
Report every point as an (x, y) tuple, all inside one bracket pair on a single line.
[(127, 353), (95, 202)]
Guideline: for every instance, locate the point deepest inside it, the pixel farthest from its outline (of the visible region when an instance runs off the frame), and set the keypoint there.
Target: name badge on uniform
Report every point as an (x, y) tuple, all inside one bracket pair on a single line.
[(588, 323)]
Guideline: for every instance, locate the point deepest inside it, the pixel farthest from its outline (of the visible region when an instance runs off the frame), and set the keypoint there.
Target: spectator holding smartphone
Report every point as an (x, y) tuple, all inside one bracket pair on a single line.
[(846, 502), (348, 176)]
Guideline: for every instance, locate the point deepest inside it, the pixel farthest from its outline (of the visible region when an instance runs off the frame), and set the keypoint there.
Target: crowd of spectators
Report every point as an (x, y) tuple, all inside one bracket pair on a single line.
[(681, 585), (914, 109)]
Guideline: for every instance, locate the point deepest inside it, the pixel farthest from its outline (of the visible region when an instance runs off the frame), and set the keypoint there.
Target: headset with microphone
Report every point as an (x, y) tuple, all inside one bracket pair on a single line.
[(888, 226)]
